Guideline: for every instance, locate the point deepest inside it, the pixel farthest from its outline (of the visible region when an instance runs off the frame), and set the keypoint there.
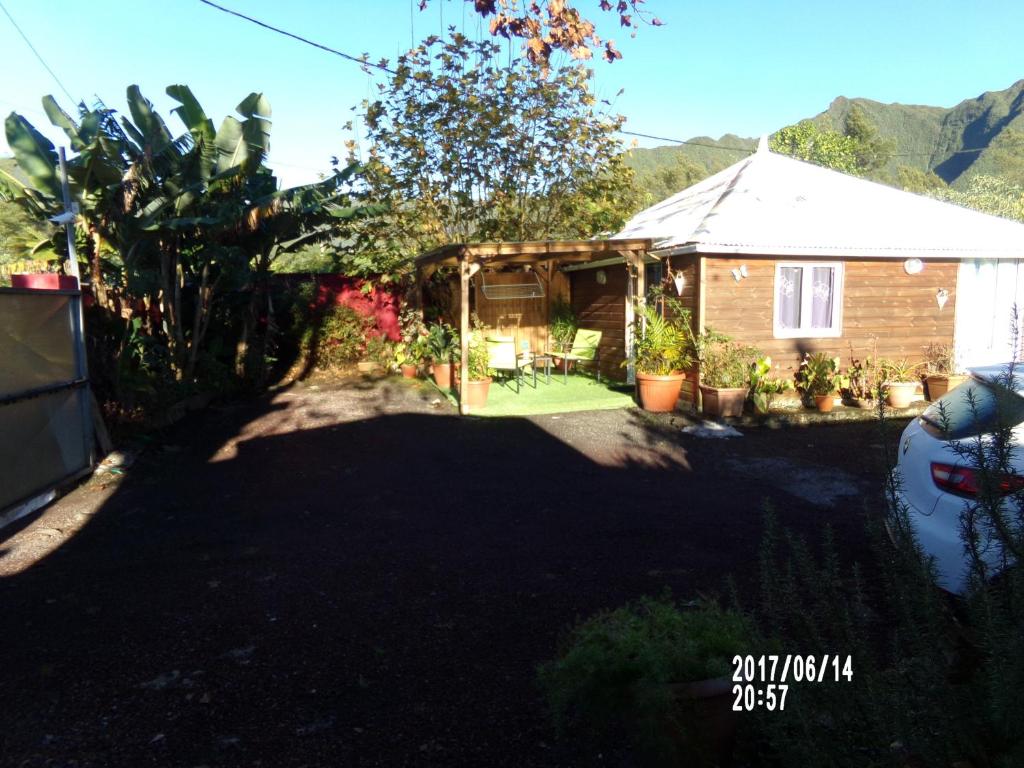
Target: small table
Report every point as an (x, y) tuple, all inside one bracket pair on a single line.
[(544, 360)]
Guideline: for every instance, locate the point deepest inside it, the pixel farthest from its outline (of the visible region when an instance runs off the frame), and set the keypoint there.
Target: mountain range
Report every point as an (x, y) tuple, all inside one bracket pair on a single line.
[(983, 135)]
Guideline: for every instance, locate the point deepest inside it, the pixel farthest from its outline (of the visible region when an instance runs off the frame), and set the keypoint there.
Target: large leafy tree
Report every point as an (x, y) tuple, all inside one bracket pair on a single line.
[(555, 25), (466, 148), (166, 215), (857, 149)]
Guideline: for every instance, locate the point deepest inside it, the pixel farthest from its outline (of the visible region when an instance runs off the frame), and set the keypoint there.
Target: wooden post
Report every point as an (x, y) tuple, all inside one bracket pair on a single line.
[(464, 275), (635, 300), (702, 283)]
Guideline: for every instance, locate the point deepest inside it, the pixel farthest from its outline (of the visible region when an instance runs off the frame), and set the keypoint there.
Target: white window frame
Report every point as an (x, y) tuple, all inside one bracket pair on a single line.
[(806, 298)]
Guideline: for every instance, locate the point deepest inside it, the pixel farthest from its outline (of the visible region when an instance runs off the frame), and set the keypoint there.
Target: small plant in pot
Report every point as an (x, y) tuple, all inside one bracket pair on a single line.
[(861, 383), (724, 373), (662, 353), (562, 329), (818, 380), (378, 355), (442, 343), (899, 379), (479, 374), (657, 671), (764, 387), (941, 371), (412, 355)]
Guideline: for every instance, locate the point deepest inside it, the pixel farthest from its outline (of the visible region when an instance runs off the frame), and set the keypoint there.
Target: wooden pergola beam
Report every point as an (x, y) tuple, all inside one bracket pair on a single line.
[(530, 251)]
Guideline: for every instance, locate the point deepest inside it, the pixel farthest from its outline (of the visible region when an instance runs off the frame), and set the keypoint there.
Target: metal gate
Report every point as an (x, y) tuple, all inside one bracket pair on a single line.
[(45, 407)]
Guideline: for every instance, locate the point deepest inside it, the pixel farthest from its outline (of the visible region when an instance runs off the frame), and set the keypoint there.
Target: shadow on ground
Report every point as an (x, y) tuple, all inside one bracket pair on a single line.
[(373, 591)]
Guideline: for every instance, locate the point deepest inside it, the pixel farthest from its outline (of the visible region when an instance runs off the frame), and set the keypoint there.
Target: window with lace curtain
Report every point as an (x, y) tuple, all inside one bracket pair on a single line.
[(808, 300)]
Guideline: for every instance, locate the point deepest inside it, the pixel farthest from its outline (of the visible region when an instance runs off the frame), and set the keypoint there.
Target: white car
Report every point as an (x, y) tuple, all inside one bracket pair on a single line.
[(936, 483)]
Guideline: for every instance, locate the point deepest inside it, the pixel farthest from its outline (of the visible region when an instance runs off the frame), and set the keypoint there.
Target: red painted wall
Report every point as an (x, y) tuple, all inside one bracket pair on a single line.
[(361, 295)]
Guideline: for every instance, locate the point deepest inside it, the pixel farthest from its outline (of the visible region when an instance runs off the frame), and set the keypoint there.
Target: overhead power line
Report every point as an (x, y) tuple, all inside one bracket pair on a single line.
[(38, 55), (361, 60), (688, 141)]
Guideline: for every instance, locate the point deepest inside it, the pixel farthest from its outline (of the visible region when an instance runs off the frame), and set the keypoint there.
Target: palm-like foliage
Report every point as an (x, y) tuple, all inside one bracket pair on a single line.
[(159, 212)]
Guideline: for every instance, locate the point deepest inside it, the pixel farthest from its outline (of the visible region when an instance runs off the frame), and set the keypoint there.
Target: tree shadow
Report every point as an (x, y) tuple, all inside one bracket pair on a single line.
[(379, 589)]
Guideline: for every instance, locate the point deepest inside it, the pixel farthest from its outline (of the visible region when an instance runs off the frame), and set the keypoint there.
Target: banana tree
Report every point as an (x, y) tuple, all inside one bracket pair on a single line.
[(161, 211)]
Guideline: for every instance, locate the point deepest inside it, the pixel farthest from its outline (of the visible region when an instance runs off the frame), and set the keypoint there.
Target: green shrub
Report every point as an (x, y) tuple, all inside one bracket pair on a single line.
[(723, 362), (617, 667), (662, 340)]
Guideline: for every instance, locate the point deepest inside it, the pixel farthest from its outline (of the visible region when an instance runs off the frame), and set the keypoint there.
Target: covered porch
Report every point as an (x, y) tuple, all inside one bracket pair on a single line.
[(513, 286)]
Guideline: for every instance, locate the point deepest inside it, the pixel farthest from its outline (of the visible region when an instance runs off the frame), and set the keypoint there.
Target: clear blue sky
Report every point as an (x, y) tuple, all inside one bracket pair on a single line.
[(715, 67)]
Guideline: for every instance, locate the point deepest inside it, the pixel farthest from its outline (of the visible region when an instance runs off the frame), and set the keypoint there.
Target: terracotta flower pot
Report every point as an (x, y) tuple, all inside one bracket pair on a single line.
[(939, 384), (825, 403), (409, 370), (722, 401), (443, 375), (659, 394), (900, 393), (476, 392), (561, 365)]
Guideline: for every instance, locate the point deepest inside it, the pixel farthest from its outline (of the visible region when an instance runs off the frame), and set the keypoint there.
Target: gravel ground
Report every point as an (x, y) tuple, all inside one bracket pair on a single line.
[(349, 574)]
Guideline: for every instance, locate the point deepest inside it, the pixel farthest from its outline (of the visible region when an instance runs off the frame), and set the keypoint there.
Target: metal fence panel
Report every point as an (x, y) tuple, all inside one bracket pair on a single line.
[(37, 346), (45, 406), (43, 443)]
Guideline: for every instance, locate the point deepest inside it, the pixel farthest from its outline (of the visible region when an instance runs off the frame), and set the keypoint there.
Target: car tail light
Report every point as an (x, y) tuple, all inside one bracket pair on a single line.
[(964, 481)]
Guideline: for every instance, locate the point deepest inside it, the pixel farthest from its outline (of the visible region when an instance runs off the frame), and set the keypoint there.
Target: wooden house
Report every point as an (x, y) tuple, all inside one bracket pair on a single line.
[(791, 258), (783, 255)]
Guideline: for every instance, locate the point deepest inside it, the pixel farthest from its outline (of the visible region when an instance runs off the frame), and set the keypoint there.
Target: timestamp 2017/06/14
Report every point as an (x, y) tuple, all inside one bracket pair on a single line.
[(763, 681)]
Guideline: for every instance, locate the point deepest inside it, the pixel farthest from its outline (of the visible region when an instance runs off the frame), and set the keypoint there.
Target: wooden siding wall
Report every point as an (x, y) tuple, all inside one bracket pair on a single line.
[(603, 308), (687, 265), (882, 305), (525, 319)]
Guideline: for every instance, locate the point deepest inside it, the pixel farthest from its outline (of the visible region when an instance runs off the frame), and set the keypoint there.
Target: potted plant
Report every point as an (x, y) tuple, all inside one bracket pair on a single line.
[(562, 329), (661, 353), (659, 670), (940, 371), (900, 382), (376, 356), (763, 386), (861, 384), (441, 344), (818, 379), (479, 375), (724, 373), (411, 356)]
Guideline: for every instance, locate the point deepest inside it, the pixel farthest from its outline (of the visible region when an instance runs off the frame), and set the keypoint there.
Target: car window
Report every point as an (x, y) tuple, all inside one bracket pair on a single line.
[(971, 409)]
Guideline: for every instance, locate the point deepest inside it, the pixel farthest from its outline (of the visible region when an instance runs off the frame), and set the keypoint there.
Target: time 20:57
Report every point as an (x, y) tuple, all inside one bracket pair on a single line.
[(749, 697)]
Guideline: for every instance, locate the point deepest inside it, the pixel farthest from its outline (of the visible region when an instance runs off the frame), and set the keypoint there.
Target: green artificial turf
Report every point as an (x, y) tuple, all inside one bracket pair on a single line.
[(579, 393)]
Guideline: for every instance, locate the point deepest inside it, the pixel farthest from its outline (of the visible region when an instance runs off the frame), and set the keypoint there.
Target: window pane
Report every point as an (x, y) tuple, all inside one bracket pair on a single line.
[(822, 284), (788, 293)]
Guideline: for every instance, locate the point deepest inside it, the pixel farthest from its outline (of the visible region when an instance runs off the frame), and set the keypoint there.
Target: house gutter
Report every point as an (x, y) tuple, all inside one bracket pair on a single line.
[(833, 253)]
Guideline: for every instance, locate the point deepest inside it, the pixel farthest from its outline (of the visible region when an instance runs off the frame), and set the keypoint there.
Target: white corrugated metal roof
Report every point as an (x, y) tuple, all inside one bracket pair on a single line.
[(773, 205)]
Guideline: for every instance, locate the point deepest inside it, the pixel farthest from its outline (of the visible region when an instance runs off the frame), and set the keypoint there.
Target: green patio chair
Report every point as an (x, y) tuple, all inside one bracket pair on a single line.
[(585, 349), (502, 356)]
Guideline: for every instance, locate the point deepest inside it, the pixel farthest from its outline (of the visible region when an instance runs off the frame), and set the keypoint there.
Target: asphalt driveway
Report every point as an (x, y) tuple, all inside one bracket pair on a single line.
[(352, 575)]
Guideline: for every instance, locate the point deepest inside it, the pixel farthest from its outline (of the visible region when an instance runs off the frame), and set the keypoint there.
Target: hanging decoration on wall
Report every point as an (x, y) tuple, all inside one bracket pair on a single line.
[(743, 270), (913, 266), (739, 272), (680, 281), (601, 276), (941, 297)]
